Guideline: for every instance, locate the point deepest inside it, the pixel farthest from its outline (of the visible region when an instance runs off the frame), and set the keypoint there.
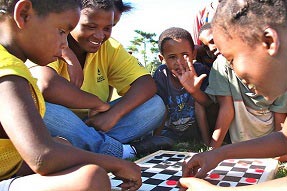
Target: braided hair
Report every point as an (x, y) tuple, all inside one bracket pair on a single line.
[(249, 18)]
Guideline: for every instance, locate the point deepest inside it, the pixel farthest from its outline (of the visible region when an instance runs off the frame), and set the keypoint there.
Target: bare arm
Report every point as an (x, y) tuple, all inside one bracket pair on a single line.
[(224, 119), (158, 130), (74, 67), (25, 128), (140, 91), (272, 145), (201, 118), (191, 82), (58, 90), (279, 119)]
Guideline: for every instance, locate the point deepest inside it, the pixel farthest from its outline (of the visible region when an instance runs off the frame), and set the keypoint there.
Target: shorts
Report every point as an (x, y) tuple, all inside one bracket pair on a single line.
[(5, 184)]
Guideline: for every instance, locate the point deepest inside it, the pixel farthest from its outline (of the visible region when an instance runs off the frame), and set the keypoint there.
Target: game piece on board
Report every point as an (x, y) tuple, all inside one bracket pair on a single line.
[(162, 170)]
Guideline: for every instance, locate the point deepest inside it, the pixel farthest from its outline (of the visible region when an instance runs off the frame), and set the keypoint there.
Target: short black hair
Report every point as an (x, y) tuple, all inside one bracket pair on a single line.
[(204, 27), (122, 7), (42, 7), (174, 33), (249, 18), (98, 4)]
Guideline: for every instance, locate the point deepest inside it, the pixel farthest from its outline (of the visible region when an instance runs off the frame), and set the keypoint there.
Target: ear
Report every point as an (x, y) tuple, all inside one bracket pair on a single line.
[(161, 58), (271, 41), (22, 12)]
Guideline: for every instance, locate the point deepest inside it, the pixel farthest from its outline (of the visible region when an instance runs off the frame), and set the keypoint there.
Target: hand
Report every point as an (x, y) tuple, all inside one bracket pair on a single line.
[(74, 67), (200, 164), (188, 77), (130, 173), (102, 108), (102, 121), (194, 184)]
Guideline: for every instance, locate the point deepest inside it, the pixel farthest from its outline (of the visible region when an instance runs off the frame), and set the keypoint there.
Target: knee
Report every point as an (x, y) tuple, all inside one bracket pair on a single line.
[(94, 178), (158, 104)]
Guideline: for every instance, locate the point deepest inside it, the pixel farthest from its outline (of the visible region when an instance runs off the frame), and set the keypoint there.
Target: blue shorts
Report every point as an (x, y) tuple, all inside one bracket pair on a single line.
[(5, 184)]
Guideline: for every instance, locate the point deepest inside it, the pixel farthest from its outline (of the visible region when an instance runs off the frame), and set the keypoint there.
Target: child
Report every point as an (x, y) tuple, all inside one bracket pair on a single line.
[(175, 46), (73, 65), (24, 26), (204, 15), (245, 114), (105, 63), (206, 39), (257, 56)]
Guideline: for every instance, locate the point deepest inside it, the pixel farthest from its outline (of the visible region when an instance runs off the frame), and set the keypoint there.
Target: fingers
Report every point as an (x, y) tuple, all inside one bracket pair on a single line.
[(175, 73), (189, 63), (190, 170), (131, 185), (194, 168), (185, 182), (201, 77)]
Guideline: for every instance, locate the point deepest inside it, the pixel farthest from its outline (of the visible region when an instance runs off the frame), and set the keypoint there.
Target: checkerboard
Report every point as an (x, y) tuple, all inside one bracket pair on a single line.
[(162, 170)]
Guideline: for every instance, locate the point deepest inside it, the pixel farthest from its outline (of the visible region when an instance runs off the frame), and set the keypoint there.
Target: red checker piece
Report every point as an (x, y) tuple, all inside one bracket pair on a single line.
[(214, 176), (259, 170), (250, 180), (171, 182)]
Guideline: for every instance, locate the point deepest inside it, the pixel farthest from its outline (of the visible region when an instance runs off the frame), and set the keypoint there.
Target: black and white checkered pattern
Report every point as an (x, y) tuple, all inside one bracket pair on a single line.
[(163, 167)]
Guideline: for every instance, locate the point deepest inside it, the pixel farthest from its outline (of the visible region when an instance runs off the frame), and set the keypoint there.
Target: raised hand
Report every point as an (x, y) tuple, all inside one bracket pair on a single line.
[(188, 76)]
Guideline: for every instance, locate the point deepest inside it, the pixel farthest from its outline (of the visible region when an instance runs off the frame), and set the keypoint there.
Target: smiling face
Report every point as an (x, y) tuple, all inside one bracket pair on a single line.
[(261, 65), (206, 38), (93, 29), (175, 52)]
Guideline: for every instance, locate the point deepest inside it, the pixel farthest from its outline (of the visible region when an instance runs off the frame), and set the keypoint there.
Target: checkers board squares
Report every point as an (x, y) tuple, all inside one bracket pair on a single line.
[(242, 172), (160, 171)]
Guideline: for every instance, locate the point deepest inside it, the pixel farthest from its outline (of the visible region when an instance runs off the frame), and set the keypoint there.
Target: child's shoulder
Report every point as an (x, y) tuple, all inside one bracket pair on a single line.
[(161, 69)]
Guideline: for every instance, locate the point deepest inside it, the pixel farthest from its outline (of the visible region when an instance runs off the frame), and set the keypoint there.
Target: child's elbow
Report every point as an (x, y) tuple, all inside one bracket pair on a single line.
[(41, 164)]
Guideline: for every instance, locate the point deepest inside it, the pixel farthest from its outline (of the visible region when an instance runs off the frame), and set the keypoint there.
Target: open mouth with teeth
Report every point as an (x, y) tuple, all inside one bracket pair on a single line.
[(95, 43)]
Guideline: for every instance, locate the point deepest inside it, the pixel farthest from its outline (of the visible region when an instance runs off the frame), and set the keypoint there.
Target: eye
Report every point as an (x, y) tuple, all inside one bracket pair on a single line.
[(172, 57), (108, 29), (90, 27), (62, 32)]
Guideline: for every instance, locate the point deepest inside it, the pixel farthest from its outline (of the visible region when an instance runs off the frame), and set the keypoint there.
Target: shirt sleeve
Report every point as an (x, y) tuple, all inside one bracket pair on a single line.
[(160, 80), (201, 69), (124, 69), (280, 104), (219, 78)]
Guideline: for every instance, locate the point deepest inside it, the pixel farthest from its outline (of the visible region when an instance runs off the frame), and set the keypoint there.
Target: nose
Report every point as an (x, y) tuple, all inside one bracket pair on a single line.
[(64, 42), (99, 35), (182, 60), (212, 48)]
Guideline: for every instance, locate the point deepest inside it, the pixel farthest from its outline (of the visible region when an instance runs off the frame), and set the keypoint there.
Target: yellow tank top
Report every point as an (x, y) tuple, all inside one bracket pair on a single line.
[(10, 159)]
